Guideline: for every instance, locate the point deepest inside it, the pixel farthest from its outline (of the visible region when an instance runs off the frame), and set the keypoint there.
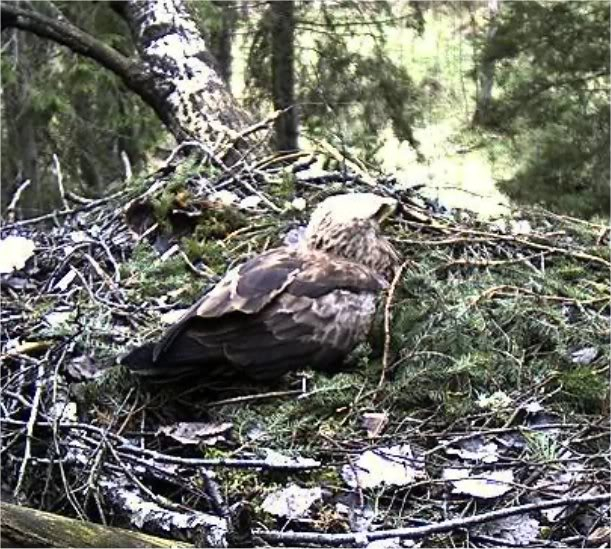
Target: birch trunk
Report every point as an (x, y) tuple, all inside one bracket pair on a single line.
[(174, 74)]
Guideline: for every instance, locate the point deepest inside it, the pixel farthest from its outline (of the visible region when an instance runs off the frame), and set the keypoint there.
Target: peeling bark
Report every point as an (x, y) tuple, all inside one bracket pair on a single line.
[(26, 527), (176, 54)]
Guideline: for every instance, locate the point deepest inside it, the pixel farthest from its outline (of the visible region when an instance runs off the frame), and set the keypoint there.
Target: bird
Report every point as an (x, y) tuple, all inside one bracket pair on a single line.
[(288, 308)]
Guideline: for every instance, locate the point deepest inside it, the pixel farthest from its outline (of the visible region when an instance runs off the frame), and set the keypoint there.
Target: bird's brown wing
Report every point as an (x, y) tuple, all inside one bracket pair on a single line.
[(280, 311)]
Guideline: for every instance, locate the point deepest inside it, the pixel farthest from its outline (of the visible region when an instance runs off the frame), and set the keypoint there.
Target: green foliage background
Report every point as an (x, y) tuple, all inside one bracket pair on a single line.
[(381, 80)]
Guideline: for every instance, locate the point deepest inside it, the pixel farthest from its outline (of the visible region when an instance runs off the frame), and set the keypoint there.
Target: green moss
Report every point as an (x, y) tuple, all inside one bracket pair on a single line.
[(283, 188), (104, 392), (217, 223), (162, 205), (151, 277), (584, 388)]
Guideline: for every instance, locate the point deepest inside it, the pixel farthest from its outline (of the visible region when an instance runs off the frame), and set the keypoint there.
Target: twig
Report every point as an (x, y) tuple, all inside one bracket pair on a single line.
[(262, 125), (250, 398), (10, 210), (124, 449), (30, 428), (277, 158), (64, 212), (486, 237), (199, 145), (55, 426), (486, 262), (127, 165), (514, 291), (60, 180), (423, 531), (208, 273), (387, 318)]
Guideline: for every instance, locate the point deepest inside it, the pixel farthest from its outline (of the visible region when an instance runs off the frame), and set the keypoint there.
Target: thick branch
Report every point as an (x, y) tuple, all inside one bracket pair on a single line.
[(25, 527), (132, 72), (174, 73), (68, 35), (416, 532)]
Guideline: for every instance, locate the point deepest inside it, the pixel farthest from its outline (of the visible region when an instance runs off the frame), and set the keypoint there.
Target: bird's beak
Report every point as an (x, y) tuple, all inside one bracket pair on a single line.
[(386, 210)]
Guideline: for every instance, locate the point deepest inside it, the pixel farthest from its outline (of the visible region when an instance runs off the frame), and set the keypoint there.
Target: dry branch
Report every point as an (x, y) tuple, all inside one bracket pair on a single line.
[(26, 527), (363, 539)]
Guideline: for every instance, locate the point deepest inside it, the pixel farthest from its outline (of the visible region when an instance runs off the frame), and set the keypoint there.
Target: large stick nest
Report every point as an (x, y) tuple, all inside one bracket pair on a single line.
[(483, 388)]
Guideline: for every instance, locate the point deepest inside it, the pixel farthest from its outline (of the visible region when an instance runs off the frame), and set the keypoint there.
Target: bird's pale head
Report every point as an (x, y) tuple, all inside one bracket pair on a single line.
[(348, 225)]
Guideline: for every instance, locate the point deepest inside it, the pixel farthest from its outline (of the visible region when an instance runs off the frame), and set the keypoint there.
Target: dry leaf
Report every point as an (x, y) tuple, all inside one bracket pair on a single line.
[(14, 253), (196, 433), (482, 485), (227, 198), (57, 318), (516, 530), (390, 466), (475, 450), (291, 502), (251, 201), (65, 281), (171, 317), (276, 459), (374, 423)]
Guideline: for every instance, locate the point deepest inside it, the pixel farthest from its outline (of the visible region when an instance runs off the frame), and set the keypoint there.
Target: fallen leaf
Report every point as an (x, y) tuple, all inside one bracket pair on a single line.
[(299, 204), (600, 535), (475, 450), (390, 466), (65, 412), (64, 282), (516, 530), (196, 433), (374, 423), (584, 356), (276, 459), (533, 407), (496, 401), (251, 201), (227, 198), (291, 502), (57, 318), (14, 253), (521, 227), (29, 347), (483, 485)]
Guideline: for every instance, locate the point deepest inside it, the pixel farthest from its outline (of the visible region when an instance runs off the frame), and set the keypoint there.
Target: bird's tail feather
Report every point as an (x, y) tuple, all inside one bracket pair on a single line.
[(140, 362), (173, 367)]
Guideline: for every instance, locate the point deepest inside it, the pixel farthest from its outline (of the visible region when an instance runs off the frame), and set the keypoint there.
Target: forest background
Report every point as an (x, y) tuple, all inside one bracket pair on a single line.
[(482, 102)]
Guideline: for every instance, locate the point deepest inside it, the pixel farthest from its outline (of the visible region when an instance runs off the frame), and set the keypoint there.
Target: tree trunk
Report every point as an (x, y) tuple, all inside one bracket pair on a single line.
[(20, 160), (175, 73), (26, 527), (485, 73), (282, 30), (221, 40)]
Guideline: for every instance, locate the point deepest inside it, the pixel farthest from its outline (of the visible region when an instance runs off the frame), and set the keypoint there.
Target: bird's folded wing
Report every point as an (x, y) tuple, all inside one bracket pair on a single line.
[(278, 312)]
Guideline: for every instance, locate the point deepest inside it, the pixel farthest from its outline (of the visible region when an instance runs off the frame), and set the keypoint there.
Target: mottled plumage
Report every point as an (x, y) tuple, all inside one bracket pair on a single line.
[(287, 308)]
